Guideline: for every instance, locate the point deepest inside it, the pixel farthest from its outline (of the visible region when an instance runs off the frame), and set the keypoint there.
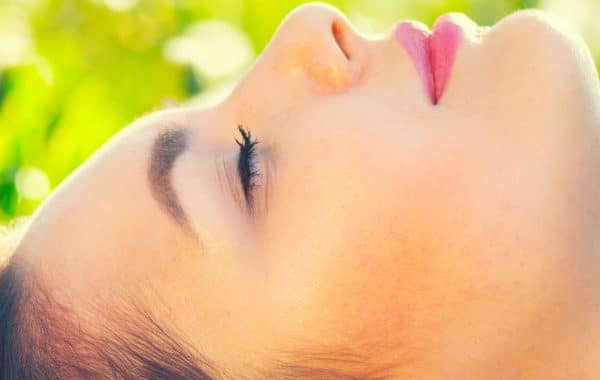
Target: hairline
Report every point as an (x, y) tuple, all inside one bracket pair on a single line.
[(43, 337), (130, 340)]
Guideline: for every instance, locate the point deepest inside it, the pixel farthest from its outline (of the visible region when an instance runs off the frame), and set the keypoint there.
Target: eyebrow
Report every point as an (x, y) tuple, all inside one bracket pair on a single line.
[(168, 145)]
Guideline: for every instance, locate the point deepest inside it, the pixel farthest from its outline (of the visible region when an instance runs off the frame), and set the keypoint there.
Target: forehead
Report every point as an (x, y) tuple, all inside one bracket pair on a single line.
[(103, 220)]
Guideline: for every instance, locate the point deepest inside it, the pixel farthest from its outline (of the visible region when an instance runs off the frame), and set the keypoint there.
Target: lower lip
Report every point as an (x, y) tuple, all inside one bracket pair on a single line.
[(433, 53)]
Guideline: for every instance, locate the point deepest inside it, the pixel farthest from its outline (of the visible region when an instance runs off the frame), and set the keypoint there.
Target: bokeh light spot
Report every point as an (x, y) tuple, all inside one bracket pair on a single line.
[(214, 48), (120, 5), (16, 43), (32, 183)]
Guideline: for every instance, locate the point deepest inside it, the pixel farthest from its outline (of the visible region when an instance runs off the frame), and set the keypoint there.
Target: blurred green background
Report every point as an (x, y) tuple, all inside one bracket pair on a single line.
[(73, 72)]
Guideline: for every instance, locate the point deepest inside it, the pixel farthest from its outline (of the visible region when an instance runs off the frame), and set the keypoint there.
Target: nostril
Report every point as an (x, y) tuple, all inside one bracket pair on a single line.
[(339, 33)]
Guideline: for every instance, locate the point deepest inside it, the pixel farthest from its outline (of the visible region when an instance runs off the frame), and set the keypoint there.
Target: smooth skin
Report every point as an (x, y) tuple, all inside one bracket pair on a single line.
[(435, 242)]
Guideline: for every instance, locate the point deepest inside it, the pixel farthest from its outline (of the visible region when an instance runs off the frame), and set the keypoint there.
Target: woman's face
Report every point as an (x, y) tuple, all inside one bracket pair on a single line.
[(378, 221)]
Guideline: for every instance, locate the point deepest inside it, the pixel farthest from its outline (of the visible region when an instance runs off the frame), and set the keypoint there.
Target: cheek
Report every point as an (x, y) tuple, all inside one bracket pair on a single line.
[(415, 229), (350, 218)]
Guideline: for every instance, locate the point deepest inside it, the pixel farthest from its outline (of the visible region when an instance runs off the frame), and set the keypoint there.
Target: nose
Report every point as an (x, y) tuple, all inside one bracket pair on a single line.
[(317, 42)]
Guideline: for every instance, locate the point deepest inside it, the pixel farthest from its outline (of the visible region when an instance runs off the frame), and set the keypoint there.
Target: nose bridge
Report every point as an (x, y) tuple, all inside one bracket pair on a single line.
[(313, 52)]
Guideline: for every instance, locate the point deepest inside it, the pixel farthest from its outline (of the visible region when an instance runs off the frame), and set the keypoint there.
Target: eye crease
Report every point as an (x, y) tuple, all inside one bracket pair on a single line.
[(247, 168)]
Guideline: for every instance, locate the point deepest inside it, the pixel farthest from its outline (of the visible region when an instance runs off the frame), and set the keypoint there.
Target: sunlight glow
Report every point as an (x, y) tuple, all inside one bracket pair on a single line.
[(580, 17)]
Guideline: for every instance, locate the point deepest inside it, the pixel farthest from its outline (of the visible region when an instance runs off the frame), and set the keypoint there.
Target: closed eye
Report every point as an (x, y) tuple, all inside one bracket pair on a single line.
[(247, 169)]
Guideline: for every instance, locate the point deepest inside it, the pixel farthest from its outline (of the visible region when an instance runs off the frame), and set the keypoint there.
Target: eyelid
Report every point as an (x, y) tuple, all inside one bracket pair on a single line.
[(264, 188), (227, 176), (226, 166)]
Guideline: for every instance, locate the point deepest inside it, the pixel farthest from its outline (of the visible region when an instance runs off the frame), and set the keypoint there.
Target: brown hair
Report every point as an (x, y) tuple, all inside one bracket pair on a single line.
[(38, 339)]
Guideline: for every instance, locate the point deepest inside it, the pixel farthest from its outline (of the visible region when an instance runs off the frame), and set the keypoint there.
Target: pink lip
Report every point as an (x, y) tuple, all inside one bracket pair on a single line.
[(433, 53)]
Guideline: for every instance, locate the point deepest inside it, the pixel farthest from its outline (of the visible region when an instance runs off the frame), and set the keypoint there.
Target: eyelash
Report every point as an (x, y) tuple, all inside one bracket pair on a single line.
[(247, 168)]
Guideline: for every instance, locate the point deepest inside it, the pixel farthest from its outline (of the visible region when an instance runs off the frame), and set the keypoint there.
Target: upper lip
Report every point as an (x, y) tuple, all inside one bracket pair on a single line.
[(433, 52)]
